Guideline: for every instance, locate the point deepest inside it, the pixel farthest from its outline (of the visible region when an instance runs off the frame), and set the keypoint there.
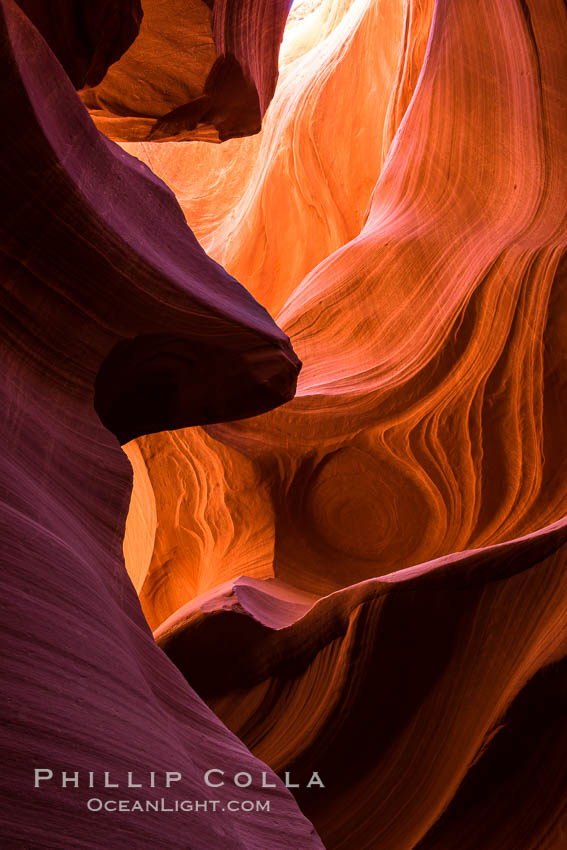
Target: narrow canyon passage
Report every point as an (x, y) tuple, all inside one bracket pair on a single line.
[(308, 268)]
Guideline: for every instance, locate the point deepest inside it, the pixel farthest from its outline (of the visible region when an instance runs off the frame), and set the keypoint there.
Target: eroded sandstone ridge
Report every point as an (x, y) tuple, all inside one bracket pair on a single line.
[(199, 69), (109, 304), (378, 568), (369, 581)]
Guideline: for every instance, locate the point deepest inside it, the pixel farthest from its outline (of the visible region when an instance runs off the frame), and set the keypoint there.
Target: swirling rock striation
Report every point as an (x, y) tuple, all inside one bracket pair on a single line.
[(427, 302), (429, 409), (399, 689)]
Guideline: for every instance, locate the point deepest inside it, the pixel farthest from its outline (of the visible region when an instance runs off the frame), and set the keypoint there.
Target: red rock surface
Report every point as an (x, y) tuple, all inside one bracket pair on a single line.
[(414, 252), (369, 582), (108, 302), (395, 687), (198, 70)]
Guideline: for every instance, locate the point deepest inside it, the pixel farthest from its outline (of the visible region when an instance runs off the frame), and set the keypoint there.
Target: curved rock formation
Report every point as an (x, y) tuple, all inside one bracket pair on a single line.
[(199, 69), (429, 413), (86, 37), (392, 689), (108, 301), (248, 201), (416, 256), (371, 581)]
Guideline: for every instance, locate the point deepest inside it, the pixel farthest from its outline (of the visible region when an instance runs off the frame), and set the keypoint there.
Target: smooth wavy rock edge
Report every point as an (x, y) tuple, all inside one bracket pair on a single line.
[(104, 288)]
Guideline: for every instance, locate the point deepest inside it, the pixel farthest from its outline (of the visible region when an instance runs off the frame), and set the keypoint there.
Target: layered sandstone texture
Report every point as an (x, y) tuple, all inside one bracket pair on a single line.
[(371, 580), (198, 69), (115, 323)]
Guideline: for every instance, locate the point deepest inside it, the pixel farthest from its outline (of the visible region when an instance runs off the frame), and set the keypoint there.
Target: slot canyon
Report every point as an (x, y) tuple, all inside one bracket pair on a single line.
[(284, 415)]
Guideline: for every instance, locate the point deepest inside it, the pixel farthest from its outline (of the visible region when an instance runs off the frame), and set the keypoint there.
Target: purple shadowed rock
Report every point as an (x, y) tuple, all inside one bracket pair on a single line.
[(107, 299)]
